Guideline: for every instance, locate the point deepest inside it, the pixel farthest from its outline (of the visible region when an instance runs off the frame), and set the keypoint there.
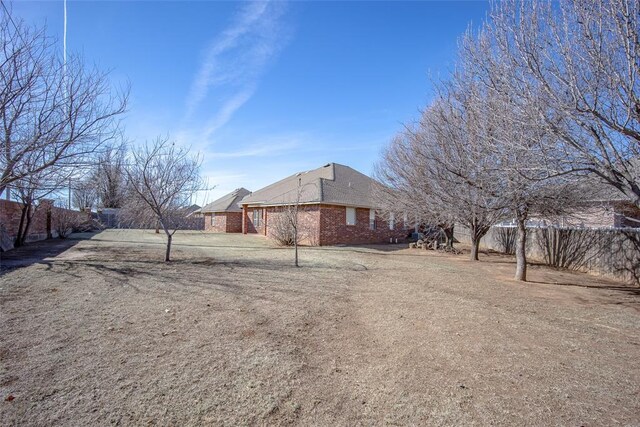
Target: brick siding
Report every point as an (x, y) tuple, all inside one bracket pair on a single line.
[(225, 222), (39, 229), (326, 225), (334, 229), (250, 226), (615, 214), (308, 220), (627, 215)]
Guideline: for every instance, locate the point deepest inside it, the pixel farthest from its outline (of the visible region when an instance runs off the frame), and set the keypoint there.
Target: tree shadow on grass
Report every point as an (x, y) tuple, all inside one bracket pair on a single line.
[(629, 289), (37, 252), (147, 277), (178, 244)]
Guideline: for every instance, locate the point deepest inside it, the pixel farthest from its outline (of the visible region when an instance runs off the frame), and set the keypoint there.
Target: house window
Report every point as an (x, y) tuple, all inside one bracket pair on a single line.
[(257, 217), (392, 221), (372, 219), (405, 221), (351, 216), (213, 219)]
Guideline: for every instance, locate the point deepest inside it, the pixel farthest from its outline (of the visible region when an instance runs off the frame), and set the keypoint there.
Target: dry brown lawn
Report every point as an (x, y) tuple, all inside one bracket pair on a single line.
[(230, 333)]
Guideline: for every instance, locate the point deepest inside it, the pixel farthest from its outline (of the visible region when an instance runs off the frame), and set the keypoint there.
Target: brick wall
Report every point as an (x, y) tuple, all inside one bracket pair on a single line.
[(225, 222), (234, 222), (604, 215), (326, 225), (9, 219), (218, 225), (591, 217), (334, 229), (308, 221), (626, 215), (249, 225), (39, 228)]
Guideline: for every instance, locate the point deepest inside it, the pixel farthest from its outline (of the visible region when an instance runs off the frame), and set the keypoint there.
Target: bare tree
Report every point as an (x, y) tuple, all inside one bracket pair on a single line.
[(162, 179), (528, 186), (405, 185), (530, 173), (480, 152), (108, 176), (441, 163), (30, 192), (577, 64), (52, 113), (64, 221), (84, 194), (285, 224)]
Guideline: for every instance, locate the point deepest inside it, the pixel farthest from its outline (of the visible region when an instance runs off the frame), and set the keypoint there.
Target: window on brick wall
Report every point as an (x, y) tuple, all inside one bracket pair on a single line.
[(213, 219), (372, 219), (257, 217), (392, 221), (405, 221), (351, 216)]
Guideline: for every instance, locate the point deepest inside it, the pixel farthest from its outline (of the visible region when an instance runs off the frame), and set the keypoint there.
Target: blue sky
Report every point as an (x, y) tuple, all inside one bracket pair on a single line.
[(267, 89)]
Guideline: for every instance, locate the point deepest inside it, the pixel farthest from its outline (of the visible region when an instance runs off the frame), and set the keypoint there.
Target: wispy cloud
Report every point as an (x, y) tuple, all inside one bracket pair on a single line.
[(227, 110), (269, 148), (235, 60)]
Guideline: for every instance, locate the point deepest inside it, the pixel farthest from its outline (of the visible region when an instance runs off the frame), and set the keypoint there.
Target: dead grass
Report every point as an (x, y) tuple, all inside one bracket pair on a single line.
[(231, 333)]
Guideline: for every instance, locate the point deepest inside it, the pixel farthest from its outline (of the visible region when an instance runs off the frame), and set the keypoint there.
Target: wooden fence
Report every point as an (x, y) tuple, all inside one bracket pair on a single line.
[(613, 253), (112, 218)]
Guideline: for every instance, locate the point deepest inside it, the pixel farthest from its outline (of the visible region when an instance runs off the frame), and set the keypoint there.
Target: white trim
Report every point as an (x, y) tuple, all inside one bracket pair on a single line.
[(347, 212)]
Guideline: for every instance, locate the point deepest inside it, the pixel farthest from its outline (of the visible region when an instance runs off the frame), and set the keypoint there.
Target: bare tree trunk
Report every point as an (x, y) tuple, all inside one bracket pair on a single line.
[(475, 244), (521, 249), (49, 233), (27, 225), (25, 222), (167, 255), (295, 224), (478, 231), (448, 235), (23, 214)]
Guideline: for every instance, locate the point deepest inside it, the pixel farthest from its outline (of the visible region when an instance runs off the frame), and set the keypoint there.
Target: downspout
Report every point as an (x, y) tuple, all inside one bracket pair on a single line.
[(244, 219)]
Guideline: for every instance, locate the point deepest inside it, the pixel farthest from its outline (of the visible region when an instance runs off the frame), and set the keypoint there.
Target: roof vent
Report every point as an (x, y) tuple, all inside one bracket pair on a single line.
[(327, 165)]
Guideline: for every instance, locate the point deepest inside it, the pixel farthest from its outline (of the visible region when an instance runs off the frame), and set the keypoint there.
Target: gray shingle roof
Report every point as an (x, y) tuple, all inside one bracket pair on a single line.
[(331, 184), (227, 203)]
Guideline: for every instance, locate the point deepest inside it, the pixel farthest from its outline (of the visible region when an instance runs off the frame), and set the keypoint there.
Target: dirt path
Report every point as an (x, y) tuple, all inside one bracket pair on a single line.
[(231, 334)]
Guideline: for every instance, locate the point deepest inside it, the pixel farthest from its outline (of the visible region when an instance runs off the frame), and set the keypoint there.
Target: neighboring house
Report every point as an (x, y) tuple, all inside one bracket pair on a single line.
[(604, 208), (225, 215), (192, 211), (606, 214), (335, 206), (592, 214)]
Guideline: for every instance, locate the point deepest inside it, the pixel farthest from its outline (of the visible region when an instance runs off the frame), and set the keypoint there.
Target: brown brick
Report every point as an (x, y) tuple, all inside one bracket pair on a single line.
[(225, 222), (10, 212), (326, 225)]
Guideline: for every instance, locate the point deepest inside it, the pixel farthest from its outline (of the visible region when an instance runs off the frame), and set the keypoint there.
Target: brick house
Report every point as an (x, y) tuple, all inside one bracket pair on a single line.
[(225, 215), (335, 206), (611, 213)]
